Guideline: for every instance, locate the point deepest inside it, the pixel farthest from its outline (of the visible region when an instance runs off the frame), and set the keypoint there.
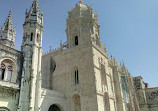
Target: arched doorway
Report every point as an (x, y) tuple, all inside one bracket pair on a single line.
[(77, 102), (54, 108)]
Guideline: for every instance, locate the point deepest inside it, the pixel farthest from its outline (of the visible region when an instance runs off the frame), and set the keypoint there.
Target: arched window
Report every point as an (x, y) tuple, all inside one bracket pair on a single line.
[(54, 108), (76, 77), (9, 73), (103, 74), (77, 102), (2, 71)]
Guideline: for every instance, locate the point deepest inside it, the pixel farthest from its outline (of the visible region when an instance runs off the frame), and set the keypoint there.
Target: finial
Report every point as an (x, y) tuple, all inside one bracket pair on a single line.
[(80, 2), (114, 61), (123, 64), (50, 48), (105, 49), (96, 14), (111, 56), (26, 11), (61, 44), (10, 12)]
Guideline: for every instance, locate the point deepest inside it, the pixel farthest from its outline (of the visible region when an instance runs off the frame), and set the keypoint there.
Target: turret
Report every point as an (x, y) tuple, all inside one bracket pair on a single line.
[(7, 32), (82, 26), (32, 53), (33, 25)]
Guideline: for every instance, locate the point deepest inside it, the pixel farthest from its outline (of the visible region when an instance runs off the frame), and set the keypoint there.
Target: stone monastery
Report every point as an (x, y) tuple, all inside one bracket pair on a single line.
[(78, 76)]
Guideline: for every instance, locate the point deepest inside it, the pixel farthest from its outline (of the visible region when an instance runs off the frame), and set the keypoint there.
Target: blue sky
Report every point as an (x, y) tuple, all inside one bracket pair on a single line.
[(129, 29)]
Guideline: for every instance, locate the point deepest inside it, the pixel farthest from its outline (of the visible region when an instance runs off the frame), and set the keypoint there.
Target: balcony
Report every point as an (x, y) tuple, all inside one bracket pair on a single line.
[(9, 85)]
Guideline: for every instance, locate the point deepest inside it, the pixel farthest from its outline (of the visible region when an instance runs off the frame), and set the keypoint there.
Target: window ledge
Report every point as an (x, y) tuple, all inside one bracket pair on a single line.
[(9, 85)]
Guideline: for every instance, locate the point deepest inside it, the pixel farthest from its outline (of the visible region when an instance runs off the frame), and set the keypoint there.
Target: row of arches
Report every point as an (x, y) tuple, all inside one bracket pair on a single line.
[(77, 104)]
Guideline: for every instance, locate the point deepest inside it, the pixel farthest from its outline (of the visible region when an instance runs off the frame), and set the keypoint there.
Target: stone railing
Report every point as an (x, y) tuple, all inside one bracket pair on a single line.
[(62, 47), (9, 85)]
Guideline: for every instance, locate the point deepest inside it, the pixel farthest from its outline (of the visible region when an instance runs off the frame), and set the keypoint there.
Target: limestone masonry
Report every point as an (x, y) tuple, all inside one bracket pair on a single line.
[(77, 76)]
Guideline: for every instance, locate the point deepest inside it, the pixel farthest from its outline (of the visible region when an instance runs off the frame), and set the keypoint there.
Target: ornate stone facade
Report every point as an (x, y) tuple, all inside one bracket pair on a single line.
[(77, 76)]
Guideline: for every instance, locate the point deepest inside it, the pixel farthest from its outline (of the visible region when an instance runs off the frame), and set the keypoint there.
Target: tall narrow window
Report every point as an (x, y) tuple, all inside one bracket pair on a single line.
[(31, 37), (76, 77), (9, 74), (38, 38), (76, 40), (106, 102), (103, 74), (2, 71)]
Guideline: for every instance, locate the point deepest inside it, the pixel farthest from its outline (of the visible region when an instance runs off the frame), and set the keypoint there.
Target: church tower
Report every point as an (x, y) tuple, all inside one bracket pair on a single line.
[(32, 53), (7, 32), (82, 26), (92, 75)]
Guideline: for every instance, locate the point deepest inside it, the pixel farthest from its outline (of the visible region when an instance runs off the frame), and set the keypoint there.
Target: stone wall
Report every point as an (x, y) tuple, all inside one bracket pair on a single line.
[(152, 98), (9, 90)]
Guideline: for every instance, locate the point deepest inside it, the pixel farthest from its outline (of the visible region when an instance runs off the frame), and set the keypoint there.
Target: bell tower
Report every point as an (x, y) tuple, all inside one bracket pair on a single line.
[(32, 53), (82, 26)]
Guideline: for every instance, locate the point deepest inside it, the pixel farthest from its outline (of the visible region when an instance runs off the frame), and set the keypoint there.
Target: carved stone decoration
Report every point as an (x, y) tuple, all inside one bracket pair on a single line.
[(152, 95), (8, 93), (137, 83), (101, 61)]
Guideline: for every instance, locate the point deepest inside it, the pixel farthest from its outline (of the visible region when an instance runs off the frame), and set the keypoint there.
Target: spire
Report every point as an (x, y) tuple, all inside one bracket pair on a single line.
[(7, 32), (35, 7), (123, 67), (111, 56), (123, 64), (34, 14), (120, 63), (105, 49), (8, 23), (80, 2), (50, 49)]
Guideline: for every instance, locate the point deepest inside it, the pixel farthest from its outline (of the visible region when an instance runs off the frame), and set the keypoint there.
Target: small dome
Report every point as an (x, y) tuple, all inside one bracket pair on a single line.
[(81, 10)]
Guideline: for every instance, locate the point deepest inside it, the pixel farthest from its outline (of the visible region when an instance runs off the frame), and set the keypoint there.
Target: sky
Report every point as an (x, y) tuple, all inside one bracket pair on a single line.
[(129, 29)]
